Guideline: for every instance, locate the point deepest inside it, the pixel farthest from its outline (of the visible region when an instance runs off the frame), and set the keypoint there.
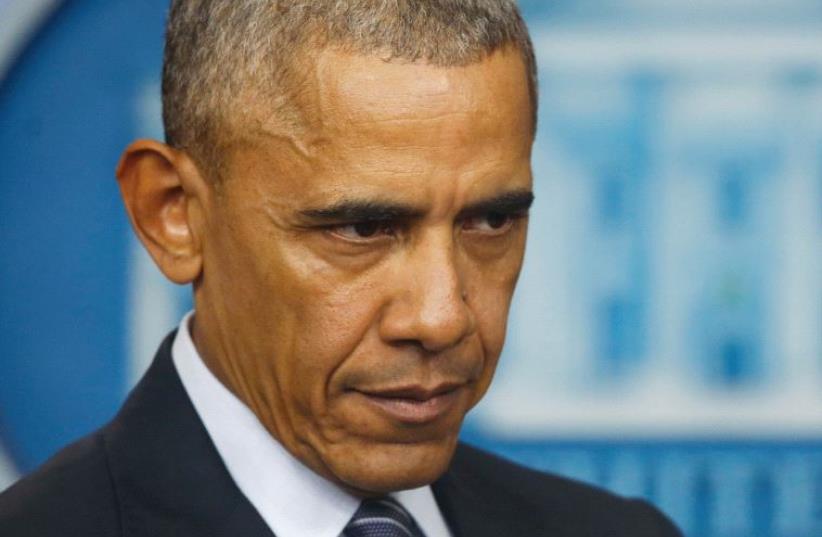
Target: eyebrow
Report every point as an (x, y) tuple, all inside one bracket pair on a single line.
[(362, 211), (518, 201), (515, 202)]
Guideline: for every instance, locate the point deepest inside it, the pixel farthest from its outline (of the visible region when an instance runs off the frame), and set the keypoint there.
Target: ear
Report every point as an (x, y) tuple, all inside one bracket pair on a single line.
[(165, 195)]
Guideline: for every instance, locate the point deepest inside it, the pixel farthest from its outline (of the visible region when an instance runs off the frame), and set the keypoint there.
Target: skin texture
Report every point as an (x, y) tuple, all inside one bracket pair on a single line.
[(352, 286)]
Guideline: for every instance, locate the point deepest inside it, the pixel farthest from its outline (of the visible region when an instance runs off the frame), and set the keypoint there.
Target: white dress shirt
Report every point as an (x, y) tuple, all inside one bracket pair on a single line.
[(293, 500)]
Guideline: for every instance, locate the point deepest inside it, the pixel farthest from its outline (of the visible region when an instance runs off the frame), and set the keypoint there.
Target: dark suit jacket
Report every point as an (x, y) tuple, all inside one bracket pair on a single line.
[(153, 471)]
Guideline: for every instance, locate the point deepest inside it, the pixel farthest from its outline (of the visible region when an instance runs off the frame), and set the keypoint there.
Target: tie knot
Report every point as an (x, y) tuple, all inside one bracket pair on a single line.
[(381, 517)]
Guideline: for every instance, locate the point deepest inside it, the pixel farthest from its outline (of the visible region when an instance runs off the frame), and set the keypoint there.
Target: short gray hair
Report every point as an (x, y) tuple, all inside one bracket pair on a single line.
[(220, 53)]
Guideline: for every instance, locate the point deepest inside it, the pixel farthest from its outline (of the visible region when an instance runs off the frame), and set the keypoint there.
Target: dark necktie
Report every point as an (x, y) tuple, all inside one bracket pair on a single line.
[(382, 517)]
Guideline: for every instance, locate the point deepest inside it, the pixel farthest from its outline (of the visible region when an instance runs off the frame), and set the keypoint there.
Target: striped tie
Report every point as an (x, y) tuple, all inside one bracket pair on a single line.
[(382, 517)]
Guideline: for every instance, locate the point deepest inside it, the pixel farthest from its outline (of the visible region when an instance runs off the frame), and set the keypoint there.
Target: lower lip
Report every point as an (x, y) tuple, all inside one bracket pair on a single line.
[(412, 410)]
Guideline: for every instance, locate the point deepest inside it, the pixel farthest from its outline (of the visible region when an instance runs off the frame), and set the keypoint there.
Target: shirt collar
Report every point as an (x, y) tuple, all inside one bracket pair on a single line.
[(292, 499)]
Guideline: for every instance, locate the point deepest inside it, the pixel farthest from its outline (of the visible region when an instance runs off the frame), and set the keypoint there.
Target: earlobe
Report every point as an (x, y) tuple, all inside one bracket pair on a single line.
[(163, 194)]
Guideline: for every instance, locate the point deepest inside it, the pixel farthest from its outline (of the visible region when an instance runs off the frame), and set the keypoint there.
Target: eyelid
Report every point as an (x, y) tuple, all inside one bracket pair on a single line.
[(332, 229), (513, 215), (512, 218), (397, 225), (509, 212)]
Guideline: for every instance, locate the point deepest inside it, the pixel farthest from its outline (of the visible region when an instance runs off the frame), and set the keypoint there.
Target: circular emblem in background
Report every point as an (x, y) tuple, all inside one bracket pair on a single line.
[(70, 100)]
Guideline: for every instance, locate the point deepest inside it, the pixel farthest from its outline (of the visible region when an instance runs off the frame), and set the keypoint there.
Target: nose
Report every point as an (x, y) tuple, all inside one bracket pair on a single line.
[(429, 308)]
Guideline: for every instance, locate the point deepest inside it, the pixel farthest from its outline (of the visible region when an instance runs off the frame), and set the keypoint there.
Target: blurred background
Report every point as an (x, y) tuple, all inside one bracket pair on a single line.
[(666, 338)]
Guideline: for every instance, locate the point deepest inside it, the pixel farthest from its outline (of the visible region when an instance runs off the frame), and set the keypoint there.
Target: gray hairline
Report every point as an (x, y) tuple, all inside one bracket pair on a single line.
[(198, 122)]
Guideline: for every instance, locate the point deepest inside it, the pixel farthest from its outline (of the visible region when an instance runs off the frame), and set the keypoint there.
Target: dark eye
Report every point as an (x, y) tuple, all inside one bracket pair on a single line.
[(362, 230), (366, 229), (490, 223), (496, 220)]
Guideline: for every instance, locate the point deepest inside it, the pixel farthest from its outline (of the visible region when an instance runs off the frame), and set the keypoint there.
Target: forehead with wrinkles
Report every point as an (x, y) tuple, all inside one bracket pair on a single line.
[(349, 90), (230, 66)]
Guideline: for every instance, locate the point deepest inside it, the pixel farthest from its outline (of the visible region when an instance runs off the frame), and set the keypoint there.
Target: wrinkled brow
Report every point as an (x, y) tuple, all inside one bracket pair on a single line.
[(514, 202), (363, 211)]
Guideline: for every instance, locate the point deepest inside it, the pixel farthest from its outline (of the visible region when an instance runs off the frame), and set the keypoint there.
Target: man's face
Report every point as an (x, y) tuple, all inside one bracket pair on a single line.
[(356, 281)]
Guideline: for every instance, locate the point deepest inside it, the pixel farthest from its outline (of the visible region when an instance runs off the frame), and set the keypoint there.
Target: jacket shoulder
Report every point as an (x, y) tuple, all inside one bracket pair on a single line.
[(71, 494), (580, 508)]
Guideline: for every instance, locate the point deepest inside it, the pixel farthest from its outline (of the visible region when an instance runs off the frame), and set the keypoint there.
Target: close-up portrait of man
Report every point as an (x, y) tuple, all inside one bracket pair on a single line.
[(345, 186)]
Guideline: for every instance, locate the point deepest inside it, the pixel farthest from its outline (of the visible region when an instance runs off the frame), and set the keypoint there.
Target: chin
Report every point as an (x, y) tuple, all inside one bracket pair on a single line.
[(382, 468)]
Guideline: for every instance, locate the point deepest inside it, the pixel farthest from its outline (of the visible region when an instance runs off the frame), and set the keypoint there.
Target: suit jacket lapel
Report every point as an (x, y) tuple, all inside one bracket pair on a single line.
[(473, 509), (169, 478)]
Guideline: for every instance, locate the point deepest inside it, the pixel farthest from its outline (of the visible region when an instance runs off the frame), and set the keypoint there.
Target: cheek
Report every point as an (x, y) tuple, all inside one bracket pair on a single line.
[(332, 329), (491, 314), (332, 317), (492, 317), (490, 290)]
